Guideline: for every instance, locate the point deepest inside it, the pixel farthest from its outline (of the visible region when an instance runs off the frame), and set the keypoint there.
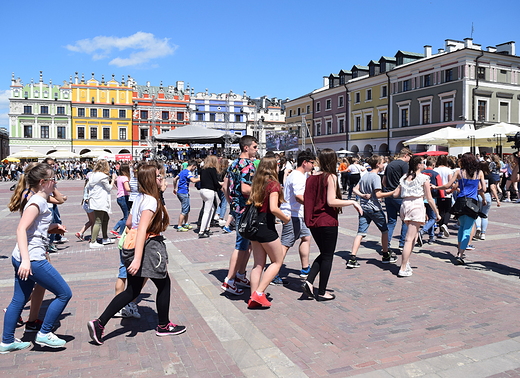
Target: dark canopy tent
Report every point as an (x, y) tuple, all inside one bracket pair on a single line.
[(196, 134)]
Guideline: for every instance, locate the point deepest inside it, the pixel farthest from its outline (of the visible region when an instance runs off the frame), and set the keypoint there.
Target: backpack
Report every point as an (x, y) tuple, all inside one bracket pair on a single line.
[(248, 226)]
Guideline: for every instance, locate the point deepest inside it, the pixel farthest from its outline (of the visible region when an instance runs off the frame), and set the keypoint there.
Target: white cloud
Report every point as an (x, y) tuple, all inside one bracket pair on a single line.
[(144, 47)]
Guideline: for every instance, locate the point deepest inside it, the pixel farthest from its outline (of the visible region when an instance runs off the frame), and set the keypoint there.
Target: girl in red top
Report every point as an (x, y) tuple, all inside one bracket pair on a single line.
[(322, 202), (267, 195)]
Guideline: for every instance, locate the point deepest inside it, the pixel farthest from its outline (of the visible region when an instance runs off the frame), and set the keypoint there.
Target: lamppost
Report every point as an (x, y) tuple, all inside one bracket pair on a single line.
[(499, 144), (472, 144)]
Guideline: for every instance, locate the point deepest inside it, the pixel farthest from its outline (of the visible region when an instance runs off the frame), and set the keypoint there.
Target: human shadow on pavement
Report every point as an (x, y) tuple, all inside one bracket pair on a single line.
[(493, 267)]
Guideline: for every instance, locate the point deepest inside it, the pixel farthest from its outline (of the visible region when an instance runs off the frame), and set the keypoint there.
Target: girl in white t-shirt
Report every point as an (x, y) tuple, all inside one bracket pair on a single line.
[(147, 259), (413, 187), (29, 259)]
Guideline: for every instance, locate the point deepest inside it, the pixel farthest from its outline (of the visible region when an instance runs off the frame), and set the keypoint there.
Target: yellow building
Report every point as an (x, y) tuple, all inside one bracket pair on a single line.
[(101, 115)]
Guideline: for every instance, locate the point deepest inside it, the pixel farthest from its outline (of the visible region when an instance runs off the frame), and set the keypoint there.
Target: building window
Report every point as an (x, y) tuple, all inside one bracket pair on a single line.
[(122, 113), (329, 127), (200, 116), (165, 116), (481, 109), (61, 132), (290, 112), (384, 91), (308, 109), (60, 110), (122, 133), (143, 134), (318, 129), (212, 117), (328, 104), (404, 117), (358, 123), (369, 94), (357, 97), (426, 114), (298, 111), (406, 85), (427, 80), (144, 114), (448, 75), (106, 113), (27, 131), (81, 112), (341, 101), (27, 109), (81, 132), (504, 112), (481, 73), (93, 133), (180, 116), (106, 132), (368, 119), (238, 118), (44, 109), (384, 121), (342, 125), (447, 108), (93, 113), (318, 106), (44, 132)]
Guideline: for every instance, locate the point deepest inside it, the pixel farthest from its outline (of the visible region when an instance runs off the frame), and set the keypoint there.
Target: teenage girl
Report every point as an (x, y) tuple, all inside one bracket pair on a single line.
[(322, 200), (413, 187), (30, 263), (123, 194), (267, 195), (149, 218)]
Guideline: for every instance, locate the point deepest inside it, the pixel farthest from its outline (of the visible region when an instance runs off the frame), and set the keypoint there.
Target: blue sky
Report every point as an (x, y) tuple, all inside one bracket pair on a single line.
[(279, 49)]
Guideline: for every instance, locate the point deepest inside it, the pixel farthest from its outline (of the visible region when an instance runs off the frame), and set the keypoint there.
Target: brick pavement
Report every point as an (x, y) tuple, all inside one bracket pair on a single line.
[(445, 320)]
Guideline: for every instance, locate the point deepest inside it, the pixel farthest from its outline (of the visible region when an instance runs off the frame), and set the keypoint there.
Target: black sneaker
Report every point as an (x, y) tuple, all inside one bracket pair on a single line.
[(33, 326), (389, 258), (352, 263), (170, 329), (96, 331)]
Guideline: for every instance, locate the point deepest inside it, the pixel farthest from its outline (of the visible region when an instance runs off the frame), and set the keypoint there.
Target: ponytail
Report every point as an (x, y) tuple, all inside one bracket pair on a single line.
[(19, 197)]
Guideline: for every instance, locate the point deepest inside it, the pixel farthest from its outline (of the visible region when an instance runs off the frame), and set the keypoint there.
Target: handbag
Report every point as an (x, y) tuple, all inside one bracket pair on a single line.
[(466, 206), (248, 225)]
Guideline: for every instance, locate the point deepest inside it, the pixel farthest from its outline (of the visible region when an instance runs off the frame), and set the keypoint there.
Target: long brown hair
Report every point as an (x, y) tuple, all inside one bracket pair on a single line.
[(211, 161), (147, 178), (34, 172), (266, 172), (328, 161)]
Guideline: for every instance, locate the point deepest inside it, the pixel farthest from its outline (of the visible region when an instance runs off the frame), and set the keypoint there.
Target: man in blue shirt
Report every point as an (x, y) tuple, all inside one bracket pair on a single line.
[(181, 187)]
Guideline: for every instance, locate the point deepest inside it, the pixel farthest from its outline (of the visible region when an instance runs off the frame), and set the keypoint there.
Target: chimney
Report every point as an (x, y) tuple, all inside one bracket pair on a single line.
[(451, 48), (468, 43), (441, 51), (491, 49), (180, 86), (427, 51), (506, 48), (325, 81)]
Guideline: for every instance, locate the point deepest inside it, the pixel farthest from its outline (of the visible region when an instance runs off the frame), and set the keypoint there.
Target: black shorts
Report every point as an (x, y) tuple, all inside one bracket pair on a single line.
[(267, 228)]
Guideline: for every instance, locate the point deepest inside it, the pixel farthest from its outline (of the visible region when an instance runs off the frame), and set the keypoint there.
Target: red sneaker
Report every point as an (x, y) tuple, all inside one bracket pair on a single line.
[(260, 299)]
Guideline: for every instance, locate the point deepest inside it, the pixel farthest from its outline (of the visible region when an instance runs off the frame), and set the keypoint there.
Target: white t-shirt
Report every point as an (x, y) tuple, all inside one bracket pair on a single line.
[(294, 185), (37, 233), (444, 172), (142, 202), (415, 187)]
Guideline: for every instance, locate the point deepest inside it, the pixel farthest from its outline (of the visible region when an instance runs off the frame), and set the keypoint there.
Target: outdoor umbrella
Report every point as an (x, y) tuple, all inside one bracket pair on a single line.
[(11, 160), (27, 153), (438, 137), (489, 136), (195, 134), (64, 154), (432, 153), (98, 153)]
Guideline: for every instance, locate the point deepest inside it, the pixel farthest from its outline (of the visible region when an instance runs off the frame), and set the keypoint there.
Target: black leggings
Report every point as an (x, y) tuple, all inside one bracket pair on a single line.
[(325, 238), (444, 206), (133, 289), (353, 181)]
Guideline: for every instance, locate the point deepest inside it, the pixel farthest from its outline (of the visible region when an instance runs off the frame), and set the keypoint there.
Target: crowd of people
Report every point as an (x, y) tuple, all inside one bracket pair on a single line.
[(304, 196)]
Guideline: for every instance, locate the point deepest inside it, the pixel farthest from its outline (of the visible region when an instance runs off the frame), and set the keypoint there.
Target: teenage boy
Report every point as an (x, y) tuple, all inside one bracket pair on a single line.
[(293, 193), (369, 191), (181, 187), (237, 187)]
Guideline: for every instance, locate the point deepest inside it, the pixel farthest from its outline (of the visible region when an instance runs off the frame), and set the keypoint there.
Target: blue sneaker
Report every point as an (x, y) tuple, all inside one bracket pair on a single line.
[(49, 340), (226, 230), (277, 280), (16, 345), (305, 272)]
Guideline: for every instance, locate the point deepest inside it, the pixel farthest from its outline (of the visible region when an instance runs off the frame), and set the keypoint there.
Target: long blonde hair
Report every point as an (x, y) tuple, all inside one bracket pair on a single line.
[(34, 172), (211, 161), (265, 173)]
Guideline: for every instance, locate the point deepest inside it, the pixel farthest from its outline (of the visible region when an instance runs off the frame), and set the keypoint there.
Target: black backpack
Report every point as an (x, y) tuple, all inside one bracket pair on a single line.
[(248, 226)]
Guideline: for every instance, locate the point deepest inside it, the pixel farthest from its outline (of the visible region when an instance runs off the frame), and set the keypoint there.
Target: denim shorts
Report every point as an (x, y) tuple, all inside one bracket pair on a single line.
[(185, 202), (241, 244), (372, 215), (122, 268)]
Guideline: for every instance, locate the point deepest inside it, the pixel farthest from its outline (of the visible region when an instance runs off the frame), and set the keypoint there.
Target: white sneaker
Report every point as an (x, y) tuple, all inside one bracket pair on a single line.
[(405, 273), (95, 245), (482, 236), (130, 311), (108, 241), (445, 231)]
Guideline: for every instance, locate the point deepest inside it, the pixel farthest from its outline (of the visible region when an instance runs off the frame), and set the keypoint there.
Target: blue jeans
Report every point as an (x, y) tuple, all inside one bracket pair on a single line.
[(482, 223), (56, 218), (123, 204), (241, 243), (47, 277), (393, 205), (221, 211), (466, 224), (185, 202), (428, 227)]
